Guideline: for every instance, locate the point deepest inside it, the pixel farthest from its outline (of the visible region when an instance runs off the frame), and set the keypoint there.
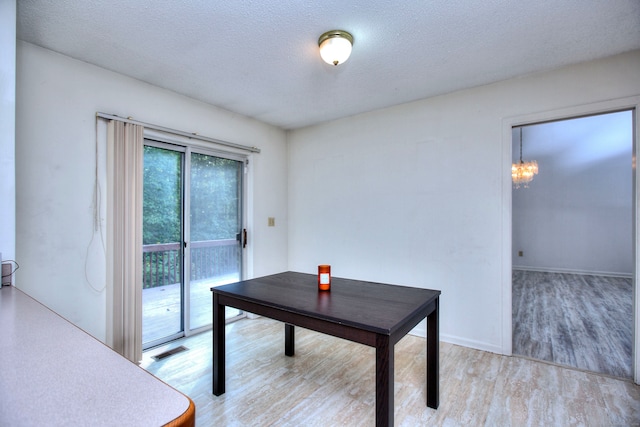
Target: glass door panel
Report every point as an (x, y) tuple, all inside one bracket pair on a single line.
[(162, 259), (215, 222)]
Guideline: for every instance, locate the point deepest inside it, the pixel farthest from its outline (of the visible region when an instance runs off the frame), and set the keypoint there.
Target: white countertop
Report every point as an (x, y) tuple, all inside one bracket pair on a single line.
[(53, 373)]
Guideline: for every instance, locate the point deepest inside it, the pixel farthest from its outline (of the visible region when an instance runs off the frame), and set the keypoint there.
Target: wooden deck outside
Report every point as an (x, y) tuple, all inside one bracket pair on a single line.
[(161, 307)]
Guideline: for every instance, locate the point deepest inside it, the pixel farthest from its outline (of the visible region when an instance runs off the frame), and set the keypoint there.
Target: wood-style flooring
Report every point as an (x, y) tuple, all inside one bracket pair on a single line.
[(576, 320), (331, 382), (162, 307)]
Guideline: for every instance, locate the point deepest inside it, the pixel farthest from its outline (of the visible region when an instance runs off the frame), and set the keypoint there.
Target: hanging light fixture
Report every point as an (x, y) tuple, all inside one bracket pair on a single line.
[(335, 46), (522, 173)]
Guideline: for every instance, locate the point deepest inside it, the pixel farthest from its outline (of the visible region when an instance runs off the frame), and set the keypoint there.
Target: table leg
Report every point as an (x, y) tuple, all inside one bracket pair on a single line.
[(433, 358), (384, 381), (289, 340), (218, 346)]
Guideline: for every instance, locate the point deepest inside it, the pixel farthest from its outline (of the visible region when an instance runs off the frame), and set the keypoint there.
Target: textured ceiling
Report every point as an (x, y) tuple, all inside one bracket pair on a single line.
[(260, 58)]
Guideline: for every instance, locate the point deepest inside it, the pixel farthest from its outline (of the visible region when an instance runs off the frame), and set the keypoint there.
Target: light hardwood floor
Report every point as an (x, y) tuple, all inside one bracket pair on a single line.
[(331, 382), (577, 320)]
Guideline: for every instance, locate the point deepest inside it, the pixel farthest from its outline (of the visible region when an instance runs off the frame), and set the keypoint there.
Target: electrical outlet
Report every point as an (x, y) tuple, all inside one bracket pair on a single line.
[(272, 221), (520, 253), (6, 274)]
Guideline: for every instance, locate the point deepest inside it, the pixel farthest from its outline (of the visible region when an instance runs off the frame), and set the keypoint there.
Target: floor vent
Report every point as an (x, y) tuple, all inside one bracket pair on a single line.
[(171, 352)]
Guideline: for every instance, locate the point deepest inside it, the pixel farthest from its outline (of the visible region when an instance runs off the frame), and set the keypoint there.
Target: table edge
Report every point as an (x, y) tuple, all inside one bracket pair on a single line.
[(368, 328)]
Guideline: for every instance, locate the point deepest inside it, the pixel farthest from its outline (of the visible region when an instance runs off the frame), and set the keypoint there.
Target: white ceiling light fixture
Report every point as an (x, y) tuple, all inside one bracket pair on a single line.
[(335, 46)]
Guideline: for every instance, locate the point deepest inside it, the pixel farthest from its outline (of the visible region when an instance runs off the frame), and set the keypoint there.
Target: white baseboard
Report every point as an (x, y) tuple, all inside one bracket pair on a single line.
[(464, 342), (420, 331), (571, 271)]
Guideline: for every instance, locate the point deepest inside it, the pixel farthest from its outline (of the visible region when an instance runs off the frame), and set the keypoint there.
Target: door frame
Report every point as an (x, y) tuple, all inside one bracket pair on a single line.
[(187, 146), (183, 304), (630, 103)]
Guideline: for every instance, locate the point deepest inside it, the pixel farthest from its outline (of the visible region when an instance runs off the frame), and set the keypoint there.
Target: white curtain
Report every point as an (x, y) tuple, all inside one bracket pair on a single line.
[(124, 237)]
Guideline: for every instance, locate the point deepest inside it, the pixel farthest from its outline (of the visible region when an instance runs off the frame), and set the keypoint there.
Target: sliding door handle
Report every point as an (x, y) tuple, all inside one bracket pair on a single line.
[(242, 238)]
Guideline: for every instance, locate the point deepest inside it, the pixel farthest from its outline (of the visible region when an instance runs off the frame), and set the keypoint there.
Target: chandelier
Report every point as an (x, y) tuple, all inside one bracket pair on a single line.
[(522, 173)]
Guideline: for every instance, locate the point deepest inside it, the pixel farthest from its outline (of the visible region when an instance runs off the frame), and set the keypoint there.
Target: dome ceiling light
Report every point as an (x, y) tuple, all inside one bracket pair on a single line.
[(335, 46)]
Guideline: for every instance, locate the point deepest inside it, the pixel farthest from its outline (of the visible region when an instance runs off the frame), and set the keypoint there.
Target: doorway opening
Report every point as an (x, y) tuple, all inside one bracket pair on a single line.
[(573, 258)]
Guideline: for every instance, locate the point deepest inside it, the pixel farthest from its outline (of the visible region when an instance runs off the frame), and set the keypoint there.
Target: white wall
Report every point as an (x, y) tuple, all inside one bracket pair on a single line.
[(7, 128), (57, 99), (576, 215), (413, 194)]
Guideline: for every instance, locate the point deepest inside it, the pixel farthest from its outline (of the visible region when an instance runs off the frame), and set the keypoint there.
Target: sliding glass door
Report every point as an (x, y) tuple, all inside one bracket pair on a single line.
[(215, 221), (192, 223), (162, 252)]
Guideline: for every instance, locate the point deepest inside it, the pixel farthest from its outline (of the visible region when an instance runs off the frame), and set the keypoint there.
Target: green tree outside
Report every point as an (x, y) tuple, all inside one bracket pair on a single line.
[(215, 211)]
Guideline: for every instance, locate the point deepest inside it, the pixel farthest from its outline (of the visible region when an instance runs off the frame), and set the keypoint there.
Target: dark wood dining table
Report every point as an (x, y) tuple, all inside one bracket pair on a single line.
[(374, 314)]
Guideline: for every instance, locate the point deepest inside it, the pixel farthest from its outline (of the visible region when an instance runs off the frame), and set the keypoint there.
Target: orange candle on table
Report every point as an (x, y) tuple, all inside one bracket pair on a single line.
[(324, 277)]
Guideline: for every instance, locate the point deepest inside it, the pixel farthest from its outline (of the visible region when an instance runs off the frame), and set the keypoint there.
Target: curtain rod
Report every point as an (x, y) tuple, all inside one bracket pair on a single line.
[(178, 132)]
